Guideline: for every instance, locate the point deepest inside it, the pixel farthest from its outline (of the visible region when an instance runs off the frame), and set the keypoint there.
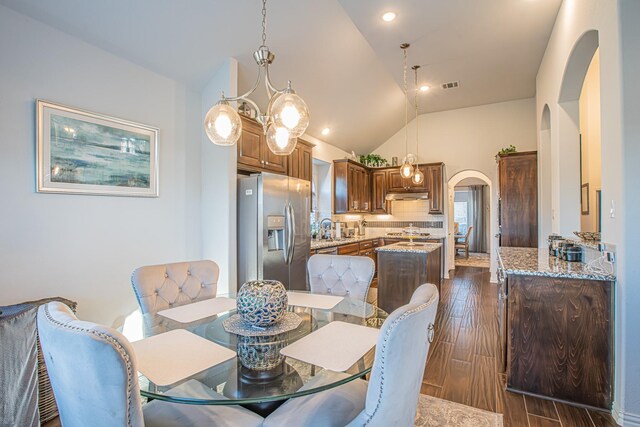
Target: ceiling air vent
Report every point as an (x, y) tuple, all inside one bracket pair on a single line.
[(451, 85)]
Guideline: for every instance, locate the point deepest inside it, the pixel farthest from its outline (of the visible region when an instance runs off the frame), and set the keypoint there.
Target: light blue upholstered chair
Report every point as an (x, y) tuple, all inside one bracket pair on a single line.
[(390, 398), (341, 275), (95, 381), (158, 287)]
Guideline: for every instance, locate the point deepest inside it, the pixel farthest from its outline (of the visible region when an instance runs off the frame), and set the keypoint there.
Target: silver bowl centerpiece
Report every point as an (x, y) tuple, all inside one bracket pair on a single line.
[(262, 302)]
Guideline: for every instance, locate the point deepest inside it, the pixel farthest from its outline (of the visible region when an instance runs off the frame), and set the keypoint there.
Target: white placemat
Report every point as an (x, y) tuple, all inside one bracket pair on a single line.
[(199, 310), (336, 346), (304, 299), (172, 356)]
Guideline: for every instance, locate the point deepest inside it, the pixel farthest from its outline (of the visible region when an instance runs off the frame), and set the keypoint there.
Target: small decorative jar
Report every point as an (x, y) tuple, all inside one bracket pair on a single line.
[(262, 302)]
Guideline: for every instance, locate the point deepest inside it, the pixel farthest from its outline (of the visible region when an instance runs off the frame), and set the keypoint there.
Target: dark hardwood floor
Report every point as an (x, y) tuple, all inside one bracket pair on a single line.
[(462, 360)]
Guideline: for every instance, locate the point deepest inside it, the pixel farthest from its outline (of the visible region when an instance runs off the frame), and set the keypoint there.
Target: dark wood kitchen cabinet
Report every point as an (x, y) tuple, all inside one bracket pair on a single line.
[(351, 187), (378, 191), (359, 189), (560, 335), (396, 183), (518, 199), (435, 182), (254, 154), (301, 160)]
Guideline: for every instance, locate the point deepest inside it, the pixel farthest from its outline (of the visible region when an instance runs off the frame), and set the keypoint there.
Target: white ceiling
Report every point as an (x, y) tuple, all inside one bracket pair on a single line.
[(342, 58)]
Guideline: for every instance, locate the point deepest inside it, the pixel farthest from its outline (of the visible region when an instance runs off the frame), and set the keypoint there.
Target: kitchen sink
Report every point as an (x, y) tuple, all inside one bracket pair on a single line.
[(411, 245)]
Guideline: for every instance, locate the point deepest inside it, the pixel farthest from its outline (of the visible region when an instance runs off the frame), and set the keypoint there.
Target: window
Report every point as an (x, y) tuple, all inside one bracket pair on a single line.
[(461, 210)]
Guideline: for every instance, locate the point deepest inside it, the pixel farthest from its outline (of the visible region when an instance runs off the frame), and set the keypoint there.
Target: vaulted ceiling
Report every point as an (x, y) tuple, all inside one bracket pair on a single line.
[(342, 58)]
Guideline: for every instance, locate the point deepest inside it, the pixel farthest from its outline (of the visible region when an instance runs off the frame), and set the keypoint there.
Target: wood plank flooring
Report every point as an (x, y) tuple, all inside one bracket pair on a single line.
[(462, 364)]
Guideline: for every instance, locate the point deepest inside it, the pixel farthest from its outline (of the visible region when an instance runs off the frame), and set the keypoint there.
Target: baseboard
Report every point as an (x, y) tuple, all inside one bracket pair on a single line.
[(626, 419)]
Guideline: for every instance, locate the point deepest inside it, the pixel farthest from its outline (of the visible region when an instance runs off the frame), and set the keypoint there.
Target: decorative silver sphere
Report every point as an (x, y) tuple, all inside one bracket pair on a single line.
[(262, 302)]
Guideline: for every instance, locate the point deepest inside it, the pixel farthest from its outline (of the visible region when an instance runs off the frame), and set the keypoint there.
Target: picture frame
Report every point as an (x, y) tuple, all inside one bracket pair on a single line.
[(584, 199), (82, 152)]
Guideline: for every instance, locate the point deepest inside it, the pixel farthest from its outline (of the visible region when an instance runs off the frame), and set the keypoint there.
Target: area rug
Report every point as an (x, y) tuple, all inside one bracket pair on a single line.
[(475, 259), (434, 412)]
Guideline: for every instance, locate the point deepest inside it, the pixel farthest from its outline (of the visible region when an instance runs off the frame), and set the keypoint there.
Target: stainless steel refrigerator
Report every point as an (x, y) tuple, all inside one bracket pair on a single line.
[(274, 229)]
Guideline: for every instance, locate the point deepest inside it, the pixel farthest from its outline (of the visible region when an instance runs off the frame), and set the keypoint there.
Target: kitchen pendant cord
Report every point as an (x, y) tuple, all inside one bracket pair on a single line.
[(406, 106), (415, 101)]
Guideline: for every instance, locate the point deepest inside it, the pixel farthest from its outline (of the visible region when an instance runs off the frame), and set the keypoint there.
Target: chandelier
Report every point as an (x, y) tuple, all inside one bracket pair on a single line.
[(406, 170), (284, 120)]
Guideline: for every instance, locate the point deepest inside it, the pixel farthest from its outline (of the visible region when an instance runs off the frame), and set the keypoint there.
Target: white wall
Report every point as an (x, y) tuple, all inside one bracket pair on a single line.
[(468, 139), (628, 214), (219, 183), (619, 38), (85, 247)]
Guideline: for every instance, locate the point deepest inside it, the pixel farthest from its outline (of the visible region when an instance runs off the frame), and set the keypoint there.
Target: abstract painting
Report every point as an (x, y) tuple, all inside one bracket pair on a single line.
[(81, 152)]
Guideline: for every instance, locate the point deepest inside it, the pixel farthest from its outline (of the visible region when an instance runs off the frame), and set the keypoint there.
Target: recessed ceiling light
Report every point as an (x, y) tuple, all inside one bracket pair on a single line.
[(389, 16), (424, 88), (326, 131)]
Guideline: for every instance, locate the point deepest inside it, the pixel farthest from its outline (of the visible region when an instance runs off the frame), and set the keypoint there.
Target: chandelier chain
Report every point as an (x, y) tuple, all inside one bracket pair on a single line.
[(264, 22)]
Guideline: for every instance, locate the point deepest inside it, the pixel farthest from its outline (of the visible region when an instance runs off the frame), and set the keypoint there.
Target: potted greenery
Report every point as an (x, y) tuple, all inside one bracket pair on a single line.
[(510, 149), (373, 160)]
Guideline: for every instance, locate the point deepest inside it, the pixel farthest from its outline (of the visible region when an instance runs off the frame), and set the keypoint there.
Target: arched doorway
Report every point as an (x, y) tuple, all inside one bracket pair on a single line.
[(545, 207), (567, 165), (493, 219)]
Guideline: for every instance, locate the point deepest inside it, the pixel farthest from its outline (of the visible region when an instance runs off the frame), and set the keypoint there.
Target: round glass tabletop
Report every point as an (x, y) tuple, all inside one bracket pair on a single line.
[(260, 376)]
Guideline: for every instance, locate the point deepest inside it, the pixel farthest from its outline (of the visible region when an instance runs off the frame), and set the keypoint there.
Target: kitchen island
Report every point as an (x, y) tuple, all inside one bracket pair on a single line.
[(402, 267), (556, 327)]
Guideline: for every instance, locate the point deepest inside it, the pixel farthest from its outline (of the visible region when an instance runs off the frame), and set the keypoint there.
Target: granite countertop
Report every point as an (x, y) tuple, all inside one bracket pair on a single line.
[(321, 244), (538, 262), (420, 248)]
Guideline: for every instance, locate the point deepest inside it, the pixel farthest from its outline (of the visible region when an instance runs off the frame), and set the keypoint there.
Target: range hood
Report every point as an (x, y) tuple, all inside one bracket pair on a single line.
[(407, 196)]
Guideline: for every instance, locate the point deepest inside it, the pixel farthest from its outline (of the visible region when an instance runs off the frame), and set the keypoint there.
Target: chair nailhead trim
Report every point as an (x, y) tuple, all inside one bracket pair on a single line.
[(111, 340), (383, 352)]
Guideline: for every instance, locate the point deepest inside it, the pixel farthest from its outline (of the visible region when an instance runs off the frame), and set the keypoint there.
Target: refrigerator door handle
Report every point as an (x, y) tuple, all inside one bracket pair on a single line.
[(292, 231), (287, 234)]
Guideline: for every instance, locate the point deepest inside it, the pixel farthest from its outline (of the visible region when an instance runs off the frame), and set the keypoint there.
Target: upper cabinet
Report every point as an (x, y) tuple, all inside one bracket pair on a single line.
[(301, 160), (396, 183), (359, 189), (351, 188), (254, 154), (433, 177), (250, 145), (378, 191)]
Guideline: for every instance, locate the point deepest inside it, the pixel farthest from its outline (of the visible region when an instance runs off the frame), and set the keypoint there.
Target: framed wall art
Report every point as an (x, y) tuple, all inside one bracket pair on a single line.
[(80, 152)]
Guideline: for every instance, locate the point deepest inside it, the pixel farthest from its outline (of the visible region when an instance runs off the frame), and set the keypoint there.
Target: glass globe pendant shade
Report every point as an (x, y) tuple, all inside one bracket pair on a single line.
[(222, 124), (406, 170), (280, 141), (418, 176), (290, 111)]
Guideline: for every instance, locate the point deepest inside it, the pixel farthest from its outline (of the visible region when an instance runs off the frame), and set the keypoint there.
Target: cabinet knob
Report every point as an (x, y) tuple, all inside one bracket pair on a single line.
[(266, 163)]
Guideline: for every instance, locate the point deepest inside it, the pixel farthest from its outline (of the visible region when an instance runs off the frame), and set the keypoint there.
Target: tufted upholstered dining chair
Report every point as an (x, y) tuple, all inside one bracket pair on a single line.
[(390, 398), (158, 287), (341, 275), (95, 382)]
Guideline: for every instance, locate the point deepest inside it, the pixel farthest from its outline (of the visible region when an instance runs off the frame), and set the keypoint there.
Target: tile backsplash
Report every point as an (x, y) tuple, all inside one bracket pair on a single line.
[(402, 213)]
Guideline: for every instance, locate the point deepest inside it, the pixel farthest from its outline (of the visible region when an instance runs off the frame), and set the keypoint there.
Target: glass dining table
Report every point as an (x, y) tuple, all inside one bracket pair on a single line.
[(260, 378)]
